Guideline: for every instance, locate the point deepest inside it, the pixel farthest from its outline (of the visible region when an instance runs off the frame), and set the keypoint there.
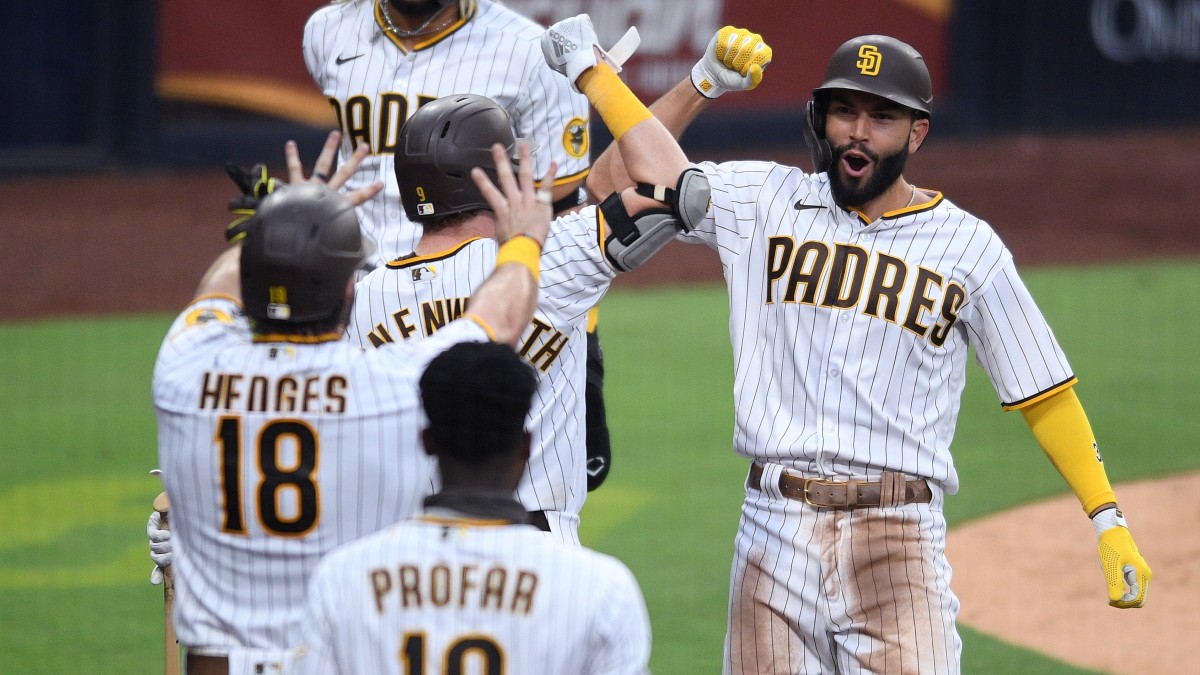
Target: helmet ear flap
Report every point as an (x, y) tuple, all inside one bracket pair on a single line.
[(814, 136)]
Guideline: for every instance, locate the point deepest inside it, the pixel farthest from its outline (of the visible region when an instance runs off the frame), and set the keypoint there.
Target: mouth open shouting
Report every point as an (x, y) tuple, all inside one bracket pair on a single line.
[(859, 175)]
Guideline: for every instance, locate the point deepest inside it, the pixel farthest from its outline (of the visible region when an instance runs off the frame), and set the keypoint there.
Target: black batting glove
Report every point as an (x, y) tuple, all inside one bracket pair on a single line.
[(254, 184)]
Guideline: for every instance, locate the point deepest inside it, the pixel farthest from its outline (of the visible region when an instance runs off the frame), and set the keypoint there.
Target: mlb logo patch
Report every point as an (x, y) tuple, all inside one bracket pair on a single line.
[(424, 209)]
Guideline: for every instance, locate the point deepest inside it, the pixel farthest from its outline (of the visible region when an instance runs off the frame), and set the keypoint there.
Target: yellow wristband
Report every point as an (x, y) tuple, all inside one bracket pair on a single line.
[(523, 250), (618, 107)]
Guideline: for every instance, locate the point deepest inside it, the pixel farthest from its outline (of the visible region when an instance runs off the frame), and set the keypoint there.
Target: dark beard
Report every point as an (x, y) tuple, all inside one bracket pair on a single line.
[(418, 10), (887, 170)]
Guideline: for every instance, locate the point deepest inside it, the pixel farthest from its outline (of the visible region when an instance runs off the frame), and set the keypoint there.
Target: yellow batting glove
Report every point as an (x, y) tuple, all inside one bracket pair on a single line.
[(1125, 569), (733, 61)]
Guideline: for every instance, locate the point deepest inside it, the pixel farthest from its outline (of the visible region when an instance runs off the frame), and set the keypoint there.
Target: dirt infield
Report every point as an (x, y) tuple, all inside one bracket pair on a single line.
[(97, 244)]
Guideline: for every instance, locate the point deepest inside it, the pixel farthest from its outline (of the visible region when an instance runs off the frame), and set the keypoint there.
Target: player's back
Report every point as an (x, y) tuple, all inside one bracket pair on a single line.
[(413, 297), (471, 596), (273, 454)]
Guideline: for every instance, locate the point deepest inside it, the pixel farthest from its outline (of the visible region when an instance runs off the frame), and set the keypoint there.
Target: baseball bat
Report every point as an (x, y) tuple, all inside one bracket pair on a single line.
[(170, 644)]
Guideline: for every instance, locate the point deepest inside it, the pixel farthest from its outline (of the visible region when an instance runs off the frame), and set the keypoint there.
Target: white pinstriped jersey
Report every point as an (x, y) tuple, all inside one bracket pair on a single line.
[(411, 297), (850, 339), (374, 86), (462, 596), (273, 454)]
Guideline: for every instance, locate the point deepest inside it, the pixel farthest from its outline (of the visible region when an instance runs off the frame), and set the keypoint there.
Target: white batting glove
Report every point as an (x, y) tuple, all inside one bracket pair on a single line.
[(733, 61), (160, 547), (568, 47), (1125, 570)]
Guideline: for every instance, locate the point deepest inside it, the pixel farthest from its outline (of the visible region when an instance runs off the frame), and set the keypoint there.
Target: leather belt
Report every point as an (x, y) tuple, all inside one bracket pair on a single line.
[(201, 664), (892, 490)]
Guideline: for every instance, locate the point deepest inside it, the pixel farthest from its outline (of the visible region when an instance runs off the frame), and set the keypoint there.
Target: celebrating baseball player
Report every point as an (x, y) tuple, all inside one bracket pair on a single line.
[(470, 586), (377, 61), (278, 439), (411, 297), (854, 296)]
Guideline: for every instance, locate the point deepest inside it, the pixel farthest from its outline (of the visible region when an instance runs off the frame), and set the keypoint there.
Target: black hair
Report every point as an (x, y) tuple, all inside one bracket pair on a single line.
[(476, 397)]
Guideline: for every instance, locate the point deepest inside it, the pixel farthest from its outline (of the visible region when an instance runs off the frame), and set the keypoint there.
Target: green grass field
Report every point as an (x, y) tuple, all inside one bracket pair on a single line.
[(78, 439)]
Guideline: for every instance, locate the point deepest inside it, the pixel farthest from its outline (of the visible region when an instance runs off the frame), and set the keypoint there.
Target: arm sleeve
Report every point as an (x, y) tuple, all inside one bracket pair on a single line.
[(1061, 427), (313, 46), (554, 116), (575, 273), (1013, 342), (621, 645), (314, 655)]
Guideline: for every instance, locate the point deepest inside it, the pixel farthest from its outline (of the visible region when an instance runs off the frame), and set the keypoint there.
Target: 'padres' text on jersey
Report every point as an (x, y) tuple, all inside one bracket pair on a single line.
[(458, 596), (851, 338), (274, 453), (410, 298), (374, 85)]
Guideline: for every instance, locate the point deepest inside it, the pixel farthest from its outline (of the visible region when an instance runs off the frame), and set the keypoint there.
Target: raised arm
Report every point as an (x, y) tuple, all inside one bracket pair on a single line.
[(733, 61), (651, 153), (223, 276)]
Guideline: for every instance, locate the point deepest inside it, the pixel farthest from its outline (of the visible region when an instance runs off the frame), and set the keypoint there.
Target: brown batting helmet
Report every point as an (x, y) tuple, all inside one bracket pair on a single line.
[(875, 64), (301, 247), (438, 147)]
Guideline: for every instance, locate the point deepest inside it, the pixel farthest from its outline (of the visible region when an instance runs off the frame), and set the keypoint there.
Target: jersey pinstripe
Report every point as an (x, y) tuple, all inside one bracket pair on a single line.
[(374, 85), (455, 593), (851, 339), (273, 454), (410, 298)]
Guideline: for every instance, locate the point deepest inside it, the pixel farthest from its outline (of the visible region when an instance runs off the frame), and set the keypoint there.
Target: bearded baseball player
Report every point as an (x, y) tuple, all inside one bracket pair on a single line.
[(377, 61), (470, 585), (854, 296), (278, 439)]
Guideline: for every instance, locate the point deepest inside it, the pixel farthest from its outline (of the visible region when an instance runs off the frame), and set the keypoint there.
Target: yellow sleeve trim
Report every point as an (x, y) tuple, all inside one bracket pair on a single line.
[(482, 324), (215, 296), (562, 180), (1041, 396), (1061, 427)]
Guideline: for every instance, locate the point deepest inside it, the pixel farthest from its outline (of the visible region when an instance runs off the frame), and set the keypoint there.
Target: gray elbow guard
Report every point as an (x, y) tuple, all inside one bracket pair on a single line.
[(632, 240)]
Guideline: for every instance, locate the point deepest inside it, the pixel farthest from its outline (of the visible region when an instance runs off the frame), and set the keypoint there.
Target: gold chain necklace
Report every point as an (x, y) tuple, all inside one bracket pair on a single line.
[(400, 32)]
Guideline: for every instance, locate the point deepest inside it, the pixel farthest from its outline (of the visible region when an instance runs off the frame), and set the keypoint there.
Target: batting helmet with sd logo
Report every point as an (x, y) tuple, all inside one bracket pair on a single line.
[(876, 64), (438, 147), (301, 248)]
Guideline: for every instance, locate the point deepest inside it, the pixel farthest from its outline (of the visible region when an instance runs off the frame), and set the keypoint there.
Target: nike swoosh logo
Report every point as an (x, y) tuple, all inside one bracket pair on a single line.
[(344, 59), (801, 206)]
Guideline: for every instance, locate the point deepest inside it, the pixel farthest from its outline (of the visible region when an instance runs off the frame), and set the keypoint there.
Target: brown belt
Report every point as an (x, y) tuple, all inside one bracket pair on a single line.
[(200, 664), (892, 490)]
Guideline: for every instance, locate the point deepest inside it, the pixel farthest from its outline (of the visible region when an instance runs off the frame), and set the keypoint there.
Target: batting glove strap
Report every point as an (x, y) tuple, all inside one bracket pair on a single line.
[(733, 61), (254, 184), (1125, 570)]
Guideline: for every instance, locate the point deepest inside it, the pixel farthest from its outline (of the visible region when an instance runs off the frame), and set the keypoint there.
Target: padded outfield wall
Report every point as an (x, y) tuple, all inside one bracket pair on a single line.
[(101, 83)]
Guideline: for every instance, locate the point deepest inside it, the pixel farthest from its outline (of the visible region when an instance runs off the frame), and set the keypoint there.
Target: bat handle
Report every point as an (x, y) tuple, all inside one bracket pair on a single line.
[(170, 643)]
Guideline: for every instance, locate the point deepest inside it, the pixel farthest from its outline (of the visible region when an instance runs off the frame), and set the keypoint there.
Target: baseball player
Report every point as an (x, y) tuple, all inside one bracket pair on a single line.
[(469, 585), (379, 60), (412, 297), (278, 439), (854, 296)]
